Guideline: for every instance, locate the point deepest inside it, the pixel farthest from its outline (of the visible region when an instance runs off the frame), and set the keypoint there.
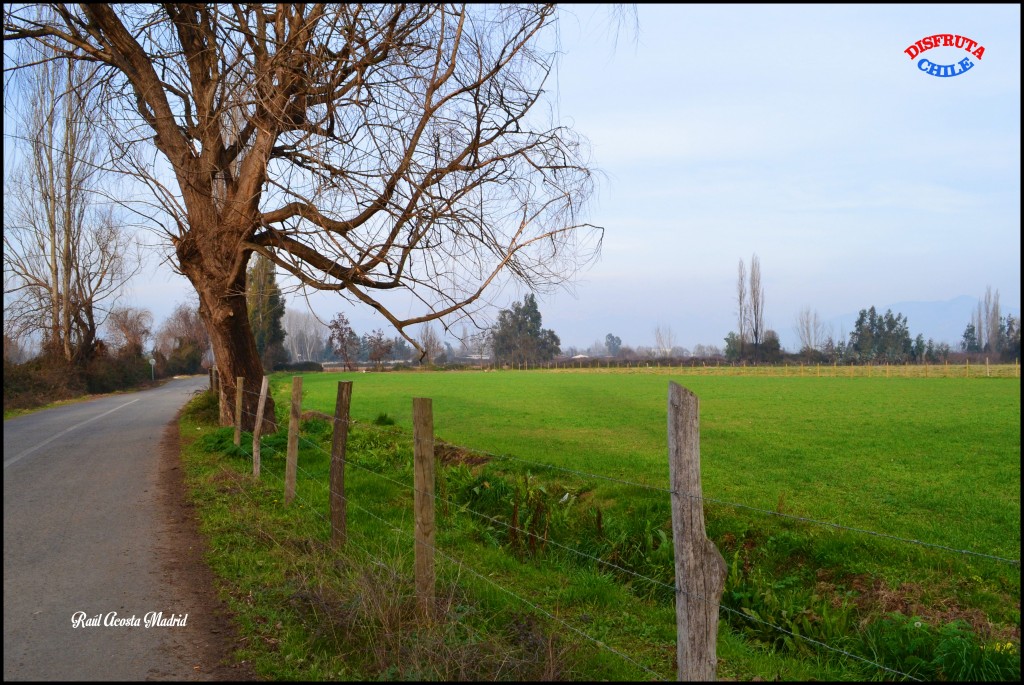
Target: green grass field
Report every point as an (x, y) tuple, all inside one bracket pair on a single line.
[(929, 459), (936, 460)]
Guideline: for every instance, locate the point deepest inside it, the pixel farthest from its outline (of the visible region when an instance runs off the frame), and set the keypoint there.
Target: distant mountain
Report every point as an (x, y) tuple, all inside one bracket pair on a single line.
[(940, 321)]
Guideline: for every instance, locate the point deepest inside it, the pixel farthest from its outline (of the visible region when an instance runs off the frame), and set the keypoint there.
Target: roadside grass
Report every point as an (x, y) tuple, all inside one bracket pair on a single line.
[(789, 445)]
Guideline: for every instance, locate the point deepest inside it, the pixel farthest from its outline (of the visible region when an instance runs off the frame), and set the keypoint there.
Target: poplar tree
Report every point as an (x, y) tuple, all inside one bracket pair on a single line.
[(266, 310)]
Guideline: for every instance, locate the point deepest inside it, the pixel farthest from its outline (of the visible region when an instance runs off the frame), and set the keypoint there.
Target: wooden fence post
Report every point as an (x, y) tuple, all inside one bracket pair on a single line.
[(292, 460), (423, 502), (211, 378), (339, 533), (700, 568), (257, 430), (239, 387), (216, 390)]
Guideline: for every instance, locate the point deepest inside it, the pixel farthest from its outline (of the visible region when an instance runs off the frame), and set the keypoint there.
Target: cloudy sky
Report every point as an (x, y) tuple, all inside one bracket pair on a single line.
[(805, 135), (802, 134)]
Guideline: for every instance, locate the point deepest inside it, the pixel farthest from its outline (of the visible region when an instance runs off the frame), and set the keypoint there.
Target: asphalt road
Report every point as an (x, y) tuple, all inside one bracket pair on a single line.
[(86, 534)]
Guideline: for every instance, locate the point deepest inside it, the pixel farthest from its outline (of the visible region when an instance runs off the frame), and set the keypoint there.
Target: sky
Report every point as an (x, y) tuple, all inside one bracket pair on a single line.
[(802, 134)]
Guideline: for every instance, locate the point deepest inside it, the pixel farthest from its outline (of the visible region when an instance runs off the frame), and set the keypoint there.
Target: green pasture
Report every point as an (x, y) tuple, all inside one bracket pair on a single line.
[(936, 460)]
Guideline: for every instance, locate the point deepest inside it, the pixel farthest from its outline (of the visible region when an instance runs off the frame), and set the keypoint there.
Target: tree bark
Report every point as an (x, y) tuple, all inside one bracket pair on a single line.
[(222, 306)]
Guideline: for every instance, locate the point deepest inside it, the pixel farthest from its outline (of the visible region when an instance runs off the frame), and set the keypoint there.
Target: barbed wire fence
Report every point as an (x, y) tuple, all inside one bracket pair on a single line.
[(463, 566), (403, 531)]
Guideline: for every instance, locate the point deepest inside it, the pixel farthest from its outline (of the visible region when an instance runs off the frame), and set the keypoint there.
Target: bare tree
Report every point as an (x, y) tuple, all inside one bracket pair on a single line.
[(362, 148), (430, 343), (980, 329), (742, 313), (756, 309), (465, 343), (343, 340), (129, 328), (183, 327), (992, 320), (478, 346), (306, 335), (810, 330), (706, 351), (597, 349), (986, 321), (379, 347), (14, 350), (66, 259), (664, 339)]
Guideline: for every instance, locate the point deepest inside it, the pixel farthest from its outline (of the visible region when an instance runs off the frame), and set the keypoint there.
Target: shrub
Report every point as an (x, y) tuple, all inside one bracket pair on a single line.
[(186, 359), (107, 374), (205, 409), (40, 381)]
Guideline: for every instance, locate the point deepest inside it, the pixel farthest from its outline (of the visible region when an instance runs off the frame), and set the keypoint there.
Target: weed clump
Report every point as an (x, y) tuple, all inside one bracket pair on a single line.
[(369, 613), (945, 652), (204, 409)]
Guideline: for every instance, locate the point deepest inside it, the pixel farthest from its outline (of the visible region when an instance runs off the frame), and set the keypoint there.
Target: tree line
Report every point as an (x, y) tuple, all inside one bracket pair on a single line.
[(115, 354), (876, 337), (886, 338)]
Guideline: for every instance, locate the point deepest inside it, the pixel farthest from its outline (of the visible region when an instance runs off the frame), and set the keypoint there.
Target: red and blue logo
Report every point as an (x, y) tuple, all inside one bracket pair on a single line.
[(946, 40)]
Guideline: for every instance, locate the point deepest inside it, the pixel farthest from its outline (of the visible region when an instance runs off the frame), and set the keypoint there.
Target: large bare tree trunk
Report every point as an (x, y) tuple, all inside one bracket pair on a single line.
[(223, 307), (234, 352)]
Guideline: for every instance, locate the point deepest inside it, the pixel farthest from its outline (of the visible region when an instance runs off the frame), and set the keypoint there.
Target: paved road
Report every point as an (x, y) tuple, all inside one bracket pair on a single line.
[(85, 531)]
